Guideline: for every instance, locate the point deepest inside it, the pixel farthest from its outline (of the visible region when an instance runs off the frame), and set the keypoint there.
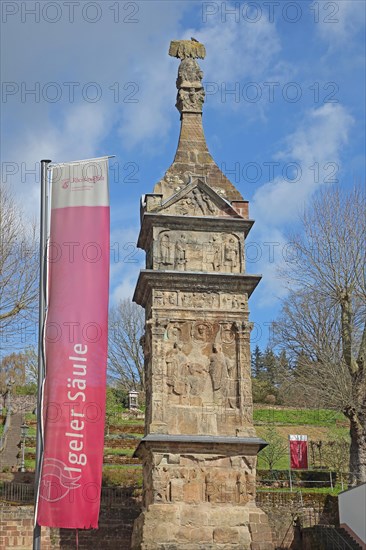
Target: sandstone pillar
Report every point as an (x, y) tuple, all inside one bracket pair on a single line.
[(199, 450)]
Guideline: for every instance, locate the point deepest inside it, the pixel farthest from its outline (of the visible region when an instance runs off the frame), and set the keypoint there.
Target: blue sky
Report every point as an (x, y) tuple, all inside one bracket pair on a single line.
[(104, 84)]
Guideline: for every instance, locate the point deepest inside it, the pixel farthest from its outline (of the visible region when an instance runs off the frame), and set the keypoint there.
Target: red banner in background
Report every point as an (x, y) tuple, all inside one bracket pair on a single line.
[(298, 452), (76, 335)]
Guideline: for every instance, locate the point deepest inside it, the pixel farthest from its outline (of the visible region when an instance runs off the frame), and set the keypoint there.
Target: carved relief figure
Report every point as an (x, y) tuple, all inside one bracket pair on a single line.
[(165, 298), (187, 299), (222, 373), (196, 482), (180, 253), (202, 332), (218, 372), (231, 254), (215, 300), (229, 301), (165, 250), (227, 333), (197, 251), (225, 301), (199, 200), (190, 100), (189, 73), (216, 253), (197, 378), (184, 207), (200, 300), (161, 478), (174, 334), (176, 363), (210, 207), (231, 391), (203, 202), (159, 299), (172, 298)]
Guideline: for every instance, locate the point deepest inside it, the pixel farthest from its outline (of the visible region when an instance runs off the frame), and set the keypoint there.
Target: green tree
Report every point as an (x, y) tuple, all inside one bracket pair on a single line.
[(12, 370), (257, 362), (261, 389), (270, 366), (113, 407)]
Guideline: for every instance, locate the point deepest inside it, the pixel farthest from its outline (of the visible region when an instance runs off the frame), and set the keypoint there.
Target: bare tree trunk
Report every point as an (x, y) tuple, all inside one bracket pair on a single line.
[(357, 462), (357, 417), (322, 317), (357, 412)]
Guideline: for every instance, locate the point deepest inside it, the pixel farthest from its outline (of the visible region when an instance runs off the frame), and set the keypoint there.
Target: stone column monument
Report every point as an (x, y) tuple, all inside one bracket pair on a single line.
[(200, 448)]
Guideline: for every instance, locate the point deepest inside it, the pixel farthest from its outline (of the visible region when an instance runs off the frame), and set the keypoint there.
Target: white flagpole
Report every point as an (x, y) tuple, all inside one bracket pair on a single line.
[(41, 318)]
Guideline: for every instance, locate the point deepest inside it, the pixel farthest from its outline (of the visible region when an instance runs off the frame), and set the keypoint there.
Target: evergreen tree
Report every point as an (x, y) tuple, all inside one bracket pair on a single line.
[(270, 366), (257, 362)]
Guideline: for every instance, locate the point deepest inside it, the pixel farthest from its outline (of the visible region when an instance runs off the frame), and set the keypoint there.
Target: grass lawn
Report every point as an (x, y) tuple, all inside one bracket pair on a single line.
[(116, 421), (306, 490), (317, 424), (118, 452), (281, 464), (122, 475), (314, 433), (310, 417)]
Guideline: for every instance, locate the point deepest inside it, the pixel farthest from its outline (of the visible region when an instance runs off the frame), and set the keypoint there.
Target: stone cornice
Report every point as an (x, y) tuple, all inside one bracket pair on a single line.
[(189, 223), (192, 280), (201, 443)]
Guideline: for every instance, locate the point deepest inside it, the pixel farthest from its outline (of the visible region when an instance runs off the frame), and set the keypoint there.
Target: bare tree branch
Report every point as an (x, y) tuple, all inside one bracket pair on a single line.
[(18, 266), (322, 322), (125, 354)]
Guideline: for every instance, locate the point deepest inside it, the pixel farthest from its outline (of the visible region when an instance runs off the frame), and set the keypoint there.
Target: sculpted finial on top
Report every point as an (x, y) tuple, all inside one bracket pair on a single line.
[(191, 93), (184, 49)]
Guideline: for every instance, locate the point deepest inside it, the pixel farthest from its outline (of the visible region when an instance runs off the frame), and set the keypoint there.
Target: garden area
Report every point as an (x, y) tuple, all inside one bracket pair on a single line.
[(328, 447)]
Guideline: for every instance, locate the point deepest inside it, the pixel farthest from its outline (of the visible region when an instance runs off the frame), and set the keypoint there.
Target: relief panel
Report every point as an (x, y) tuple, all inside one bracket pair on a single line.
[(194, 203), (198, 377), (200, 300), (201, 363), (198, 251), (197, 478)]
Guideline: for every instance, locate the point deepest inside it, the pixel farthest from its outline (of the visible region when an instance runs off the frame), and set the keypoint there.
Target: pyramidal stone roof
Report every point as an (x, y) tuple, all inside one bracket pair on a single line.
[(192, 156)]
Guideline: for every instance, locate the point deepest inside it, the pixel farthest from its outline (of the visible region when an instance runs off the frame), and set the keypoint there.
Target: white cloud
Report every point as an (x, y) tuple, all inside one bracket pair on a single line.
[(128, 57), (239, 53), (318, 141), (125, 289), (315, 147), (149, 119), (266, 250), (338, 22), (126, 261), (237, 50)]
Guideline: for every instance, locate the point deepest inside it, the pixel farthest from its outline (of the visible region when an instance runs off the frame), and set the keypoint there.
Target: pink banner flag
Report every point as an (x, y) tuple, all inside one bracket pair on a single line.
[(75, 343), (298, 452)]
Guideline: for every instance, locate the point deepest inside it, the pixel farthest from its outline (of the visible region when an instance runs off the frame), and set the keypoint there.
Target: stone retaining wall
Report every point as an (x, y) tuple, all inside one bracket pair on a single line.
[(283, 509), (116, 521), (115, 528)]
